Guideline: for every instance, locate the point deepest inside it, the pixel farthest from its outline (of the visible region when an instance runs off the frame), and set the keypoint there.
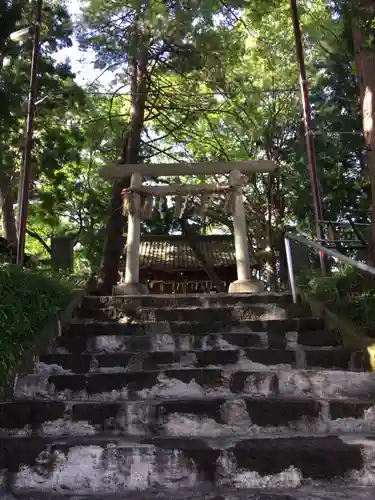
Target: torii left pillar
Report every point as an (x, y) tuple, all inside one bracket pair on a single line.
[(244, 283), (131, 286)]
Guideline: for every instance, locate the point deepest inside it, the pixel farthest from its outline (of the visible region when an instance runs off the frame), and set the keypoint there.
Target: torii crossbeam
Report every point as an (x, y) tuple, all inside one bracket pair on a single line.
[(118, 171)]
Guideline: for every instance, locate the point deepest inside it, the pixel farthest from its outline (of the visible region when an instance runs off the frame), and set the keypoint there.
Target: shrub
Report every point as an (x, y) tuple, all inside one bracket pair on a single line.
[(28, 300), (349, 293)]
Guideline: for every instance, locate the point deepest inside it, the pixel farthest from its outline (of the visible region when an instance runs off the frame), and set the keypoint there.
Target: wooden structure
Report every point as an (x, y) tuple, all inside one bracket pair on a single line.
[(167, 263), (138, 200)]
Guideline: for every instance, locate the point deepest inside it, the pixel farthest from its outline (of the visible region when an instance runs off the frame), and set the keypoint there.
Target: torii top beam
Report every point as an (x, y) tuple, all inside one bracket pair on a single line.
[(117, 171)]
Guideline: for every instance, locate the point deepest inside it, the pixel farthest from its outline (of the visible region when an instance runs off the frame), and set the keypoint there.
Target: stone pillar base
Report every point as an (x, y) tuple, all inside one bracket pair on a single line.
[(130, 289), (248, 286)]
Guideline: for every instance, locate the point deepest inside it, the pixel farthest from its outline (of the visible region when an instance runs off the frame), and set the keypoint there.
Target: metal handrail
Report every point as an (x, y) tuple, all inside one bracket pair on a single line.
[(320, 248)]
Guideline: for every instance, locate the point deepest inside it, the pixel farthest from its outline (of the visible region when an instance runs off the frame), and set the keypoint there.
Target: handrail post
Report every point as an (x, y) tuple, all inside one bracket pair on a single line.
[(290, 268)]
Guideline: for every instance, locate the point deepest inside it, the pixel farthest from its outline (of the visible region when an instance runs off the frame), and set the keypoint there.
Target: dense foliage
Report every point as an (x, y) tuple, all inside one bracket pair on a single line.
[(28, 300), (348, 293)]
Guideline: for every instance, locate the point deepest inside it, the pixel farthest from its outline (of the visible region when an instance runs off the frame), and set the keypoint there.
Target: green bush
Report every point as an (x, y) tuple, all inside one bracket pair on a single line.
[(28, 300), (350, 293)]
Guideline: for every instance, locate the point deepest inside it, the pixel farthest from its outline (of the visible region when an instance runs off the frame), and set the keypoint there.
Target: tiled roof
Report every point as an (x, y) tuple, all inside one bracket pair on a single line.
[(174, 252)]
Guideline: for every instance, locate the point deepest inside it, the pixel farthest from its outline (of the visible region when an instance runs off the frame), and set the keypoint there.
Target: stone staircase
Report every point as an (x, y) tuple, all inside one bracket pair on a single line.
[(190, 397)]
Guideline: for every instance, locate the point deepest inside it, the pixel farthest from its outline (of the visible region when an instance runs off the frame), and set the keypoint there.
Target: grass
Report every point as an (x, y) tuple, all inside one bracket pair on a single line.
[(349, 293), (28, 300)]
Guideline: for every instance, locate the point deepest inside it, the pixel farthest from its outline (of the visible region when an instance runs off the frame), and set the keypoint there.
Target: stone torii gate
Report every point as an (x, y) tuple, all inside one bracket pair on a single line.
[(244, 283)]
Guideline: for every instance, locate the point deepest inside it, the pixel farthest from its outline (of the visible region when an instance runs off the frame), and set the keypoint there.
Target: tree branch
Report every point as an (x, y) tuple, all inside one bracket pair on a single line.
[(36, 236)]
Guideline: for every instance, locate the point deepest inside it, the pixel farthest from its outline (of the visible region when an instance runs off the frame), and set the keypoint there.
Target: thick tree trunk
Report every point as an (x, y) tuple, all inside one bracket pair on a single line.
[(139, 88), (114, 245), (363, 12), (7, 210), (115, 242)]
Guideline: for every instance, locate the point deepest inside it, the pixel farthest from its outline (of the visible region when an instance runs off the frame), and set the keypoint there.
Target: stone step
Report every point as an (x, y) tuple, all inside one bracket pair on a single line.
[(242, 311), (159, 360), (193, 382), (140, 462), (239, 312), (276, 487), (127, 343), (196, 416), (179, 300), (318, 338), (172, 342), (90, 327), (343, 359), (77, 344)]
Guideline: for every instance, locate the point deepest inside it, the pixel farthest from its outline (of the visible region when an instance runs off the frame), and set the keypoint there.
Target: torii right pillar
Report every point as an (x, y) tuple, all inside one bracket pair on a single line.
[(244, 283)]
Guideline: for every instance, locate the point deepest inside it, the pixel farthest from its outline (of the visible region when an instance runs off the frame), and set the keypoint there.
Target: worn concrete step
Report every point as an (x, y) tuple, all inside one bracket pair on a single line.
[(179, 300), (91, 327), (199, 416), (319, 338), (343, 359), (159, 342), (241, 312), (193, 382), (179, 313), (154, 314), (173, 342), (285, 486), (140, 462), (160, 360), (261, 411)]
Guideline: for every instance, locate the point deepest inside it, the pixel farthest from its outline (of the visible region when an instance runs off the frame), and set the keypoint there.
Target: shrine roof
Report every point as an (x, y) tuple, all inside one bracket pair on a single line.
[(173, 253)]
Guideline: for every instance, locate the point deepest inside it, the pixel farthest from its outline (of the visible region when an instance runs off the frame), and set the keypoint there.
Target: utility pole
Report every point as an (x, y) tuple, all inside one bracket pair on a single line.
[(309, 133), (24, 186)]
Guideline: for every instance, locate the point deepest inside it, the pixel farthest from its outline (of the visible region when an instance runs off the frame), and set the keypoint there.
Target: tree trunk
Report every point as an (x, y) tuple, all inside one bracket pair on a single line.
[(115, 242), (7, 210), (139, 89), (114, 245), (192, 239), (363, 12)]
